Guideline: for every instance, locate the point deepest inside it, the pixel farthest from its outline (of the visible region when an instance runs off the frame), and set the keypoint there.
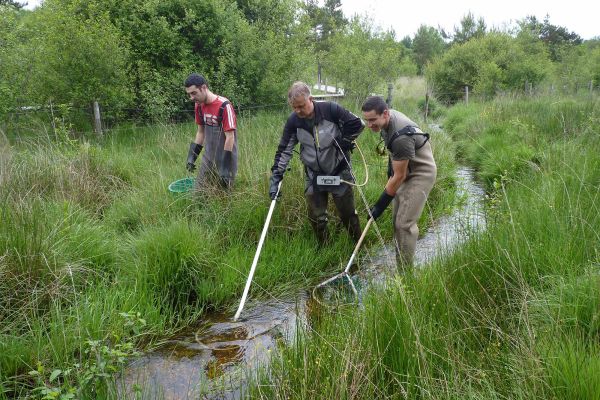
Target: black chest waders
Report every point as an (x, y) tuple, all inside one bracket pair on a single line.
[(216, 162)]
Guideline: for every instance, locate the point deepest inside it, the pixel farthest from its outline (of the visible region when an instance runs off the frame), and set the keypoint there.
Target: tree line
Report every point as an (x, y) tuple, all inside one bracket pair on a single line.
[(133, 56)]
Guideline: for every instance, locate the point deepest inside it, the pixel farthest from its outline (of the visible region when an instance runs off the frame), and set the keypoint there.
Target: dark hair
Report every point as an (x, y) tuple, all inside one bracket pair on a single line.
[(195, 80), (375, 103)]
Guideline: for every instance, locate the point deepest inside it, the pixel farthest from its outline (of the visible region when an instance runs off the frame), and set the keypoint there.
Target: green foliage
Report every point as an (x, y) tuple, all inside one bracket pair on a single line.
[(75, 59), (92, 377), (426, 45), (326, 22), (469, 29), (126, 53), (376, 58), (488, 65), (577, 69), (556, 38), (17, 5), (246, 61)]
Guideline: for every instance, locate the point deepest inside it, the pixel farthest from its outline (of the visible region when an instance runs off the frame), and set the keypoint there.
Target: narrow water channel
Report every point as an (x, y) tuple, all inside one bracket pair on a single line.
[(213, 360)]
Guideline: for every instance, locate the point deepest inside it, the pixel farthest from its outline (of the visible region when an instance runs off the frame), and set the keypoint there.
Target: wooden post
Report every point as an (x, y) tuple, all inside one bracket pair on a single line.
[(426, 105), (389, 95), (591, 87), (52, 118), (97, 120), (466, 95), (319, 74)]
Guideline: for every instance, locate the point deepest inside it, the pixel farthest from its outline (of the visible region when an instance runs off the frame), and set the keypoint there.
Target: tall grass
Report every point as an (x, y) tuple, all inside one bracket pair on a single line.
[(90, 234), (513, 314)]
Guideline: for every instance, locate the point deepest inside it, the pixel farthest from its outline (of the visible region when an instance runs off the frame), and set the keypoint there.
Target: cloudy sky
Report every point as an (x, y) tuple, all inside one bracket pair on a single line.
[(405, 17)]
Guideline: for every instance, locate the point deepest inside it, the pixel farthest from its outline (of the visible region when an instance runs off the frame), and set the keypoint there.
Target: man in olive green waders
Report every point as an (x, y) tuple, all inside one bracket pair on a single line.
[(411, 173), (216, 133), (326, 133)]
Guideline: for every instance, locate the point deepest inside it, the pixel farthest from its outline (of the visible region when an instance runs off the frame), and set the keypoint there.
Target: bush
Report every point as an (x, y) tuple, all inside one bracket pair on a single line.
[(486, 65)]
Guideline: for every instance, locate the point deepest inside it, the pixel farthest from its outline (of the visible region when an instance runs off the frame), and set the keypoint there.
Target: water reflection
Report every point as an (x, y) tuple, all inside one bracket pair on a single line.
[(213, 359)]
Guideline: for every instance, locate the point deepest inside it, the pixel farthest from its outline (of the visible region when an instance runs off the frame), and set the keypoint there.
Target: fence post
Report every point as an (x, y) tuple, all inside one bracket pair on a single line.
[(97, 120), (466, 95), (319, 74), (389, 95), (426, 105), (52, 119), (592, 87)]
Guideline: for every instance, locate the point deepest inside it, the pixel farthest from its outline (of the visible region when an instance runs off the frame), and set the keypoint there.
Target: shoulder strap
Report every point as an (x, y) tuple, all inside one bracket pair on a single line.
[(221, 110), (408, 130), (200, 113)]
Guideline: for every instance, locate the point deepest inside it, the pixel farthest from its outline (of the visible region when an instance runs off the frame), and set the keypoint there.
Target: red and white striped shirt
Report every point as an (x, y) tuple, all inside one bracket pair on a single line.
[(208, 114)]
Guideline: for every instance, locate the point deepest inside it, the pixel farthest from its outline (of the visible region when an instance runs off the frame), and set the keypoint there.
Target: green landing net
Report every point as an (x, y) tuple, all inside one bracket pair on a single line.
[(182, 185)]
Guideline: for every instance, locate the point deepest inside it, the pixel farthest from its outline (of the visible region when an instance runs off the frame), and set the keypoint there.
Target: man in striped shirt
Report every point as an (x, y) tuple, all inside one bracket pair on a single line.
[(216, 133)]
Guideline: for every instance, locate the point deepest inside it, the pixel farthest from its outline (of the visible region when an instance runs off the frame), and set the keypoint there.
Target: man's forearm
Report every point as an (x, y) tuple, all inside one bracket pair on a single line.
[(229, 141)]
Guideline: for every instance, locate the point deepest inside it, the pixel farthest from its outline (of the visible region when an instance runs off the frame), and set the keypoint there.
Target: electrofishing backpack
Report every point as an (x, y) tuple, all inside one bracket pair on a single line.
[(408, 130)]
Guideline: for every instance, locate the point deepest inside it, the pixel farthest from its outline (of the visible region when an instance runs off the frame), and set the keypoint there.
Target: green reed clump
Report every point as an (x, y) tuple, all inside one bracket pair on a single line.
[(506, 138), (48, 248)]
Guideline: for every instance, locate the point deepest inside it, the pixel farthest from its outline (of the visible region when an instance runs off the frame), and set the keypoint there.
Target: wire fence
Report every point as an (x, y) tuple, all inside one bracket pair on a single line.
[(83, 120)]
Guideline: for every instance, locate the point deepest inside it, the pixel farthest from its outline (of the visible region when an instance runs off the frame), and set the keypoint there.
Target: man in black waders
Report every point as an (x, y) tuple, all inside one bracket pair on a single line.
[(325, 131), (216, 134), (411, 173)]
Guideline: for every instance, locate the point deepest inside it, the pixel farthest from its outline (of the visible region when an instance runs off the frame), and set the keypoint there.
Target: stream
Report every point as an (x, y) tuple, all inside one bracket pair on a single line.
[(214, 359)]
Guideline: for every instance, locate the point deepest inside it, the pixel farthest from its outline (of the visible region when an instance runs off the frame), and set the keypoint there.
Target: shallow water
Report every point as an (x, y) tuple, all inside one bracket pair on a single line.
[(213, 359)]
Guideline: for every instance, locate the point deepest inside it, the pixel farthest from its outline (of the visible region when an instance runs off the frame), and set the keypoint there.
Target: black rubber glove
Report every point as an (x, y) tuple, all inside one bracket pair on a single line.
[(226, 174), (379, 207), (274, 186), (193, 153)]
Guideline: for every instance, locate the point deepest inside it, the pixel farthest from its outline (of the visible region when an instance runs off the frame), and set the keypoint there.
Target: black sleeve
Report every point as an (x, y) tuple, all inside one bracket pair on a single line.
[(350, 125), (288, 140)]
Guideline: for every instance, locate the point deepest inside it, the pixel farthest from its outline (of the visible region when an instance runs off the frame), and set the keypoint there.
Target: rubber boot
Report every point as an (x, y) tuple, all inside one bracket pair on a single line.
[(321, 232)]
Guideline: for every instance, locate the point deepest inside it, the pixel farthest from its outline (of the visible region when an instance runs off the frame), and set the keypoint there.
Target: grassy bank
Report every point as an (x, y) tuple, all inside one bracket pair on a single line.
[(513, 314), (98, 259)]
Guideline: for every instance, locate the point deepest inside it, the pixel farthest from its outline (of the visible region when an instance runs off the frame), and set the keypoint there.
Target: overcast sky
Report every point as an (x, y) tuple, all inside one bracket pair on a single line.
[(405, 17)]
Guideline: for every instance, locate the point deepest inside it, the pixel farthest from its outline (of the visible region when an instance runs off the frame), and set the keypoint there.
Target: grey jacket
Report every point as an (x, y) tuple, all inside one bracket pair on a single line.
[(320, 147)]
